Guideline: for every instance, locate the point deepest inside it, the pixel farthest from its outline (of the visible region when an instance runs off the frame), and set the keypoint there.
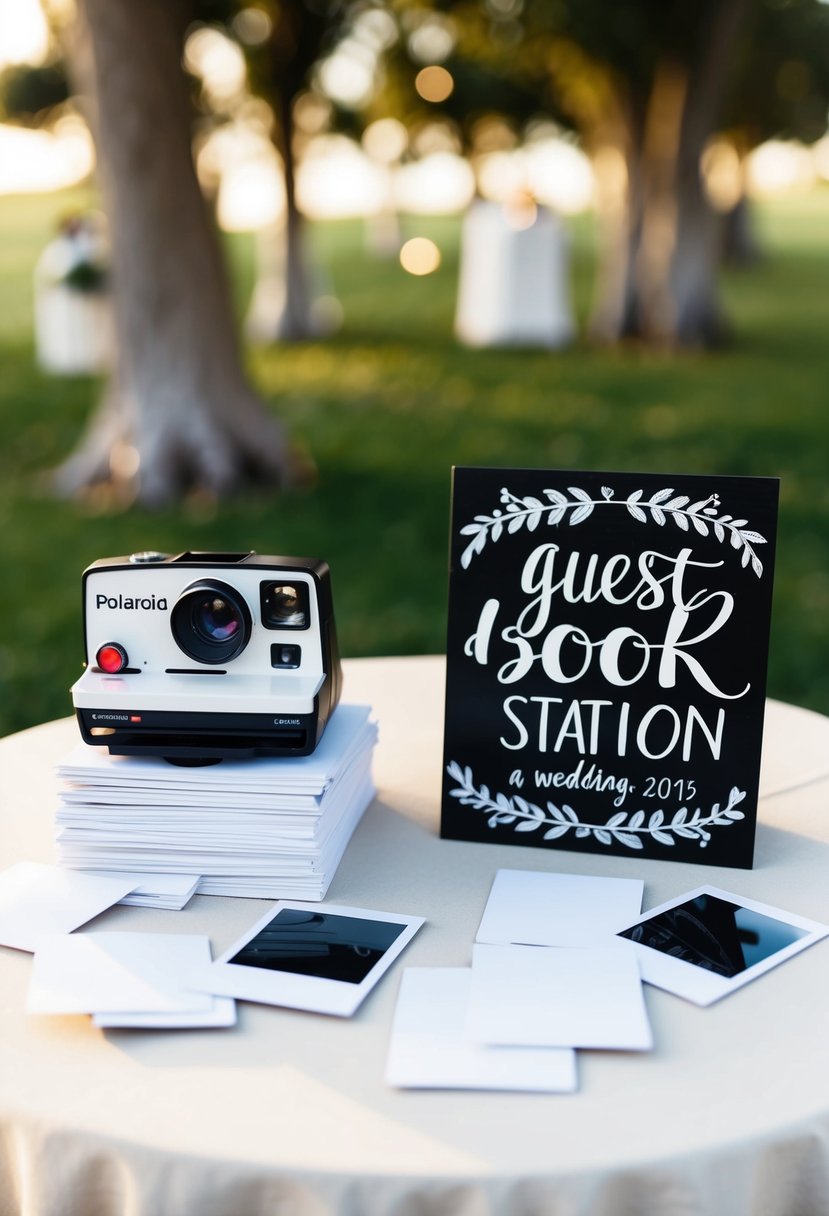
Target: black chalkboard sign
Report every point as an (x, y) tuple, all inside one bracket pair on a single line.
[(606, 661)]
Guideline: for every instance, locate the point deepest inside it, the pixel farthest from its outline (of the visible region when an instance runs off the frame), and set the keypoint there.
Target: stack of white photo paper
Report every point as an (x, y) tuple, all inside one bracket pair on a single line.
[(264, 828)]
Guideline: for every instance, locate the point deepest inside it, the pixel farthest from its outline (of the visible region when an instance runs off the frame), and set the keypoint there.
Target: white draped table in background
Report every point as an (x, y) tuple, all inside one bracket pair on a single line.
[(289, 1113)]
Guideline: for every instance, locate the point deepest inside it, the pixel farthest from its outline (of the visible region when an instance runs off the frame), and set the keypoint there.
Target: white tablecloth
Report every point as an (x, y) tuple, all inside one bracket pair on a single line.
[(289, 1114)]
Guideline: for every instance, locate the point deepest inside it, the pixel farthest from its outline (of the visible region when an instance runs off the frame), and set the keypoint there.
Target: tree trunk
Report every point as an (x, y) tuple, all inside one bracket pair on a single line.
[(678, 258), (282, 308), (179, 414), (617, 152), (667, 241), (287, 304), (296, 318), (741, 247)]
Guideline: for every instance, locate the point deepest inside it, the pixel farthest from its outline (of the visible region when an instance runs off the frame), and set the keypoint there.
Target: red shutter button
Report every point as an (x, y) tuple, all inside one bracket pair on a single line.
[(111, 658)]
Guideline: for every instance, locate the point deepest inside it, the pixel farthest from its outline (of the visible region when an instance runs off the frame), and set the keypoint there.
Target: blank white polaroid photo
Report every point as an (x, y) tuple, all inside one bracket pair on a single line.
[(545, 996), (323, 958), (117, 973), (428, 1048), (708, 943), (222, 1013), (37, 899), (534, 908)]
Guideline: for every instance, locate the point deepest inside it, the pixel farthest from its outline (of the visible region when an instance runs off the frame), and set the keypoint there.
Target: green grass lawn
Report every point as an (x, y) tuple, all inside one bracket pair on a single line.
[(391, 403)]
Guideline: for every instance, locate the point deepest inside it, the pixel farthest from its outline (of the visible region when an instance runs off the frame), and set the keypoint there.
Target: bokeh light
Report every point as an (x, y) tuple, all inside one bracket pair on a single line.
[(520, 212), (560, 175), (420, 256), (441, 183), (385, 140), (252, 26), (500, 175), (217, 61), (24, 34), (552, 171), (434, 83), (349, 75), (779, 166), (821, 154), (312, 113), (433, 40), (723, 175), (40, 161), (336, 179), (376, 28), (251, 195)]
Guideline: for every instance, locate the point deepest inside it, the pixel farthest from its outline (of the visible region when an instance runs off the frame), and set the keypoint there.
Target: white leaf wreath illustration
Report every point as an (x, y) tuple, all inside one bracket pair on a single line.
[(627, 828), (528, 512)]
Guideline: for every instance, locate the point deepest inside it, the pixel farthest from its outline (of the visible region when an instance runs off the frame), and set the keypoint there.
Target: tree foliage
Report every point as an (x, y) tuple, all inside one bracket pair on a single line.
[(27, 91), (647, 85), (780, 86)]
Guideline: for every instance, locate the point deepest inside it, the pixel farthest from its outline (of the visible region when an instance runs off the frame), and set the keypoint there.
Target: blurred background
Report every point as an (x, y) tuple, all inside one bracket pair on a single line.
[(269, 269)]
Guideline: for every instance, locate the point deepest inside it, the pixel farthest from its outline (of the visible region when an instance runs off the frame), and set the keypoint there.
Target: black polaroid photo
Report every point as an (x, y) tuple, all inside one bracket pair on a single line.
[(310, 942), (606, 661), (709, 942), (323, 958)]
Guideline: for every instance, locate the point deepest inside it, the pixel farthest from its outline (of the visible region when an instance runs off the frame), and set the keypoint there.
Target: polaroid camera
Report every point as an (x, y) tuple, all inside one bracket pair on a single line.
[(207, 656)]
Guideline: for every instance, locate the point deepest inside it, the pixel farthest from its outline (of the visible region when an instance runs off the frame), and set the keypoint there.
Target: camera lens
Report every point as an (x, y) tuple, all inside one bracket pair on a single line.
[(216, 618), (211, 622), (284, 605)]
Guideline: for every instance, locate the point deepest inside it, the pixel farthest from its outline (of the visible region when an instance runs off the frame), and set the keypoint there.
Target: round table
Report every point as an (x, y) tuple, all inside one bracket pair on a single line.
[(288, 1113)]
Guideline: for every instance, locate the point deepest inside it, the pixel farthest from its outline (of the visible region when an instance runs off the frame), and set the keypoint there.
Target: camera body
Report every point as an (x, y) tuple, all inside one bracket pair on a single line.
[(207, 656)]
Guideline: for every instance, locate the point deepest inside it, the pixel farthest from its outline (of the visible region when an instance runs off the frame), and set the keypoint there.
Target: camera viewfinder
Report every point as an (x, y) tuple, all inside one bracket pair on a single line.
[(284, 605)]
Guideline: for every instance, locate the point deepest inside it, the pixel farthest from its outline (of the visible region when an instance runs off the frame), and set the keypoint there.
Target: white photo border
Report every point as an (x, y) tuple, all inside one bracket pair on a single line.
[(306, 992), (694, 983)]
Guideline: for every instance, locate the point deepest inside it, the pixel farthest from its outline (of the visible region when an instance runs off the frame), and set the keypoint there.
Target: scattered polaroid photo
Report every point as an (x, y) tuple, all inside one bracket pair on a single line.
[(546, 996), (36, 899), (304, 956), (708, 943), (117, 973), (428, 1048), (534, 908), (222, 1013), (170, 891)]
